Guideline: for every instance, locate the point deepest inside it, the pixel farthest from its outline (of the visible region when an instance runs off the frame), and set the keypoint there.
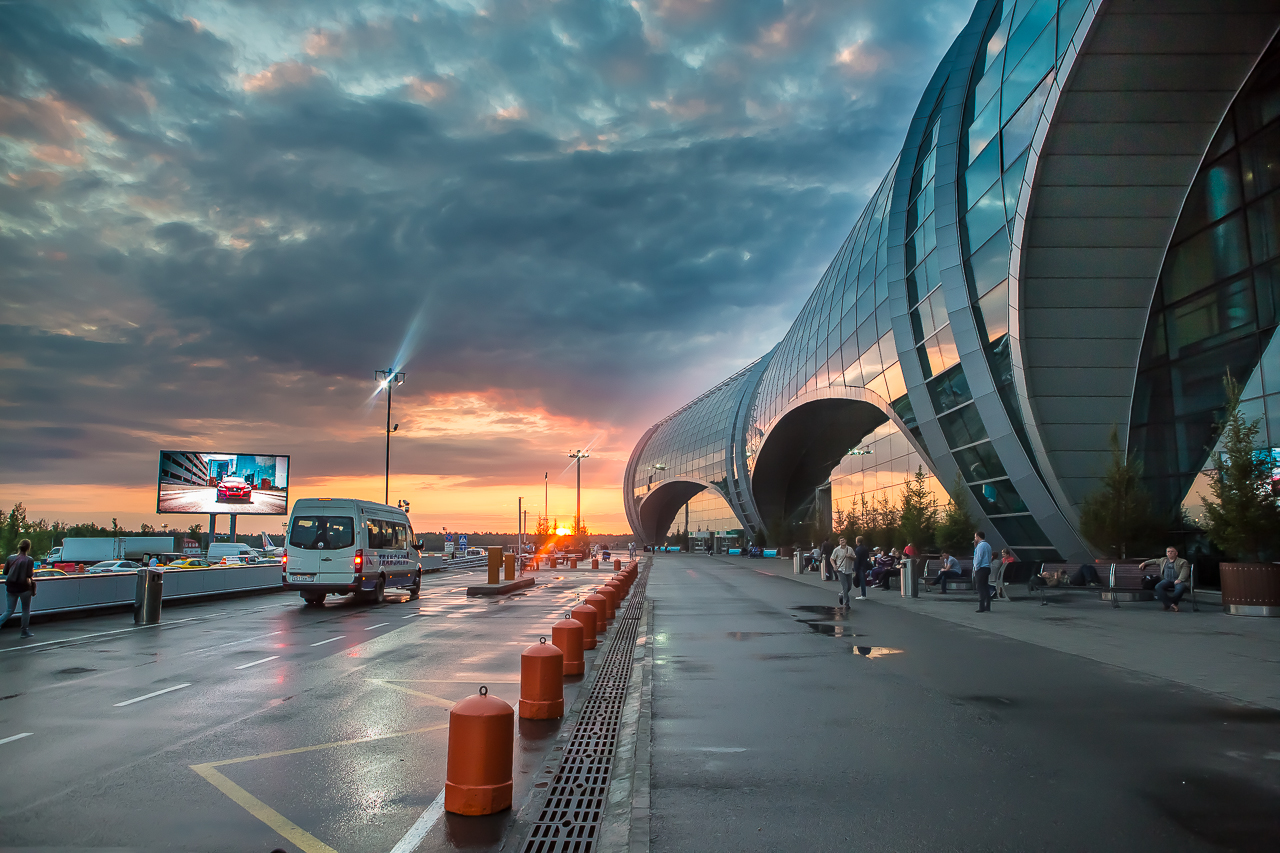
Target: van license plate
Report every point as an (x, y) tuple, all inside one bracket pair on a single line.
[(301, 578)]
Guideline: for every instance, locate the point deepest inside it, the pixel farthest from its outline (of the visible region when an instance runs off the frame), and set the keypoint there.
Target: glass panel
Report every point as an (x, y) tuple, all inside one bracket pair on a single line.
[(990, 81), (1209, 256), (984, 172), (1013, 185), (990, 265), (985, 217), (1266, 288), (994, 308), (1023, 79), (914, 251), (1069, 14), (942, 350), (1032, 26), (893, 379), (1197, 382), (979, 462), (984, 127), (998, 498), (1020, 129), (962, 427), (314, 532), (1264, 228), (1214, 194), (949, 390), (1219, 315), (1020, 530), (1261, 103)]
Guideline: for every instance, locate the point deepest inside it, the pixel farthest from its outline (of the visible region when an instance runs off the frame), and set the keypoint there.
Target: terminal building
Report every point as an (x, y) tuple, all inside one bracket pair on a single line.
[(1080, 235)]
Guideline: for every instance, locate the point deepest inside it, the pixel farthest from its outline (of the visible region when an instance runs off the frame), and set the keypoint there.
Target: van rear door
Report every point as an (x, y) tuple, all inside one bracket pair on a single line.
[(322, 548)]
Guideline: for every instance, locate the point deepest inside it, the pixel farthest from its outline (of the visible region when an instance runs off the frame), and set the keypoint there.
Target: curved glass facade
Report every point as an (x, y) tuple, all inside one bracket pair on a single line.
[(923, 342), (1218, 300)]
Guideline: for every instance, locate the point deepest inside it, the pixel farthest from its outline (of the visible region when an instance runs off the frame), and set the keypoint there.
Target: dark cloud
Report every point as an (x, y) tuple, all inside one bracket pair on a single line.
[(220, 220)]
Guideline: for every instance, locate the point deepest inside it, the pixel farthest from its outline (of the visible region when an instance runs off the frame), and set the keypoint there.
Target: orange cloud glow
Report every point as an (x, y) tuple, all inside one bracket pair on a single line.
[(281, 75)]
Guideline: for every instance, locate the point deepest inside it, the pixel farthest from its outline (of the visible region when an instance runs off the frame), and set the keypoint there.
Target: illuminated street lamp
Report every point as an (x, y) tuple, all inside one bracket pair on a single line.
[(386, 379), (578, 456)]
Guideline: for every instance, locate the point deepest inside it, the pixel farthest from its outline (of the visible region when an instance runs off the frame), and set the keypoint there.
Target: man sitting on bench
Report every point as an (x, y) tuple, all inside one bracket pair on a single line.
[(949, 568), (1175, 574)]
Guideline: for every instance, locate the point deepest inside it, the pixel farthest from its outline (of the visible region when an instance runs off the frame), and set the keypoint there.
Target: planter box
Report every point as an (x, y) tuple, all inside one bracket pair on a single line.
[(1250, 589)]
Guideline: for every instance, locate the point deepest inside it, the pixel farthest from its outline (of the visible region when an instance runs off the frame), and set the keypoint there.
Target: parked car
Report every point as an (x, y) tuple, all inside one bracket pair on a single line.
[(108, 566), (475, 552), (234, 488), (50, 573), (190, 563)]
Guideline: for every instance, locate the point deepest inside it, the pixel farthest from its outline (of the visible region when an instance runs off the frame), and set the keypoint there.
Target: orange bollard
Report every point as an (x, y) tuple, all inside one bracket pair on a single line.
[(610, 594), (573, 562), (586, 616), (601, 604), (617, 564), (595, 564), (568, 635), (509, 567), (541, 682), (481, 751), (619, 593)]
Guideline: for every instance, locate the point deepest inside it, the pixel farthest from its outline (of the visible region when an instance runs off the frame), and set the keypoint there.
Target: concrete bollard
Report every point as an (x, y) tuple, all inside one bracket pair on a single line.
[(573, 562), (595, 564), (586, 615), (481, 751), (610, 594), (617, 564), (569, 635), (495, 562), (509, 567), (541, 682), (601, 604)]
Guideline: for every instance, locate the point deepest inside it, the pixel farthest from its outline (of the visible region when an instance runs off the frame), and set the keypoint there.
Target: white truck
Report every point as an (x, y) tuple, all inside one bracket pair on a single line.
[(95, 549)]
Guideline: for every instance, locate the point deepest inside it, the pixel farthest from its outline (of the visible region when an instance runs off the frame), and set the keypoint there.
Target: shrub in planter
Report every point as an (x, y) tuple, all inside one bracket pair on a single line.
[(1242, 517)]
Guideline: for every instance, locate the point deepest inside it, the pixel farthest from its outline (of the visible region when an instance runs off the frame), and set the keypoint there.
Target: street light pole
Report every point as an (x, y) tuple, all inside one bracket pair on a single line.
[(578, 455), (386, 379)]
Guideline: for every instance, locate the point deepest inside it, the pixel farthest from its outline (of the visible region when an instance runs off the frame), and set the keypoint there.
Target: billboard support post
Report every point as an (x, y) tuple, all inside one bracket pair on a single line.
[(213, 528), (233, 527)]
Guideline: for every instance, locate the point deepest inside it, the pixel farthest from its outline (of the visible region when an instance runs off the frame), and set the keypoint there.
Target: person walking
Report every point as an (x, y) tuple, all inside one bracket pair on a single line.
[(982, 570), (844, 559), (828, 568), (20, 585), (861, 566)]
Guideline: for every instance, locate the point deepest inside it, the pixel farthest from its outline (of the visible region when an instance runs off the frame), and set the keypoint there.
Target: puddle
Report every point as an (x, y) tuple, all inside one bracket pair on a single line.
[(989, 701), (823, 610), (876, 651), (74, 670), (1228, 811), (829, 630), (787, 656), (748, 635)]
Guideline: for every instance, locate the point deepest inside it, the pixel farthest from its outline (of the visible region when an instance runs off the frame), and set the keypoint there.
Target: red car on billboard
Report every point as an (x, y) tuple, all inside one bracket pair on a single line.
[(234, 488)]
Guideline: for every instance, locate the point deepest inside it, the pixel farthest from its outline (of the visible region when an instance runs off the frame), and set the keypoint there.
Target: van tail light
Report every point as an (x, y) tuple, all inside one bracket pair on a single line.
[(285, 560), (359, 558)]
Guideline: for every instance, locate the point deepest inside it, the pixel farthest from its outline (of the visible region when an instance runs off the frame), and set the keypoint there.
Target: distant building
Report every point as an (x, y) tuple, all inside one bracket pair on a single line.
[(189, 468), (1080, 232)]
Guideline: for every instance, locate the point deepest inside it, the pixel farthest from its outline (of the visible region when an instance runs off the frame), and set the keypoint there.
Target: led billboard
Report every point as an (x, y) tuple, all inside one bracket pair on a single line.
[(222, 483)]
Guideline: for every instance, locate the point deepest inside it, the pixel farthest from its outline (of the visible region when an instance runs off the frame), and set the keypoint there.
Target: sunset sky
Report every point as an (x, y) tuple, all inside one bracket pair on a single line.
[(561, 219)]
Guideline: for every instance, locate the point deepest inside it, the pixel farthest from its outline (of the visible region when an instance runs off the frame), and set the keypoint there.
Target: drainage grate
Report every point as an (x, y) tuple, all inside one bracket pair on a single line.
[(570, 817)]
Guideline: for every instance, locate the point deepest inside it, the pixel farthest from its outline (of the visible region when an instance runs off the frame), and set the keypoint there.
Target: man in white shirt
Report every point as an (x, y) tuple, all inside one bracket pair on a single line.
[(843, 557), (982, 570)]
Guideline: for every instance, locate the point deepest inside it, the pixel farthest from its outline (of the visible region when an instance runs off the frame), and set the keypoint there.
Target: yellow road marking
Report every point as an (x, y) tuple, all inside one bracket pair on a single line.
[(302, 839), (434, 700)]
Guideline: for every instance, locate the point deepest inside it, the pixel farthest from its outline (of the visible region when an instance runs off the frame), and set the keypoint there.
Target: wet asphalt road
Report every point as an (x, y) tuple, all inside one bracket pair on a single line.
[(201, 499), (283, 726), (783, 723)]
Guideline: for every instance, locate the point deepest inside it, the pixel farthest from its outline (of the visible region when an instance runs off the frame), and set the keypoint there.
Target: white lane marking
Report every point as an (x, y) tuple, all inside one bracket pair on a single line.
[(410, 616), (151, 695), (330, 640), (379, 625), (256, 662), (234, 642), (83, 637), (421, 827), (21, 736)]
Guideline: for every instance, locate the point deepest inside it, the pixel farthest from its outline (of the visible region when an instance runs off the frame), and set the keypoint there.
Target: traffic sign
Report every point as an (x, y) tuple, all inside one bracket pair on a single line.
[(448, 537), (462, 540)]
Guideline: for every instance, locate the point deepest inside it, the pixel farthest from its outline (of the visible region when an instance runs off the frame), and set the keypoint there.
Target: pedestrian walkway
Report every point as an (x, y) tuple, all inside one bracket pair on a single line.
[(1236, 656), (783, 722)]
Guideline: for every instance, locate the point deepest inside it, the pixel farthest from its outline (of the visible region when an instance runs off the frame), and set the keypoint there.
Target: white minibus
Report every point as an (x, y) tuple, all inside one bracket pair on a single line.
[(343, 545)]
